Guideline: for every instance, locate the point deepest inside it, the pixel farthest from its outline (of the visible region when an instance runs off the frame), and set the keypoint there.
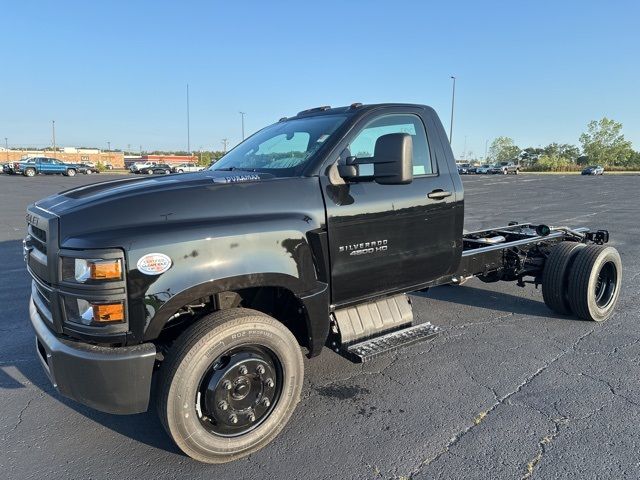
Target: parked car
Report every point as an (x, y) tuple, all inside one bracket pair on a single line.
[(186, 167), (505, 168), (593, 170), (87, 169), (158, 169), (135, 167), (30, 167), (483, 169), (7, 168), (463, 168)]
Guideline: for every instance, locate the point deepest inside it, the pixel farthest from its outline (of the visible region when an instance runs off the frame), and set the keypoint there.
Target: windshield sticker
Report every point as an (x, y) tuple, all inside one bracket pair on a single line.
[(322, 138), (237, 178)]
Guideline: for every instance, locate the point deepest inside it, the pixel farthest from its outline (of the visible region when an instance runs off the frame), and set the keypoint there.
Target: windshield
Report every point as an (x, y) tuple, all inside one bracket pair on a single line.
[(282, 149)]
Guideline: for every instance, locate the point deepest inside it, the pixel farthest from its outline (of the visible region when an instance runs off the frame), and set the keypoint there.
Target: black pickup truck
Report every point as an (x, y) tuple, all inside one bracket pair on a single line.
[(308, 234)]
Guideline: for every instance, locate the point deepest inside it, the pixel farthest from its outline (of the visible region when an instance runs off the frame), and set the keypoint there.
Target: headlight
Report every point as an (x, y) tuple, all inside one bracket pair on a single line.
[(81, 270), (91, 313)]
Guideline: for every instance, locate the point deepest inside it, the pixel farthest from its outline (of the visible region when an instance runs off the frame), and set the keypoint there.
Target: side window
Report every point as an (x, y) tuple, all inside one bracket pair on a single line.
[(363, 145), (45, 160)]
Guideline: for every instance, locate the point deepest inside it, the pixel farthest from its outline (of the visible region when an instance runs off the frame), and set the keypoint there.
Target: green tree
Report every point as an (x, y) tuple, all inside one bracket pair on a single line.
[(553, 163), (604, 143), (503, 149), (562, 150)]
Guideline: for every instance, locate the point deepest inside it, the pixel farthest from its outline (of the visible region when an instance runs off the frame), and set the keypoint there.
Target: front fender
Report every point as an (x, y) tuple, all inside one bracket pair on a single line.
[(268, 251)]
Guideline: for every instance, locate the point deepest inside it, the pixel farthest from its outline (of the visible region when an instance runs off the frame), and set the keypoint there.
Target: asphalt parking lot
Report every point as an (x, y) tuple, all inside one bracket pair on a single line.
[(508, 390)]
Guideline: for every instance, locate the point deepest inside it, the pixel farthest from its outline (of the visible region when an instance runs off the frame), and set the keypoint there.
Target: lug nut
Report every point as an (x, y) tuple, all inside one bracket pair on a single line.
[(233, 418), (227, 385), (260, 370), (222, 405), (243, 370), (266, 402), (269, 383), (252, 417)]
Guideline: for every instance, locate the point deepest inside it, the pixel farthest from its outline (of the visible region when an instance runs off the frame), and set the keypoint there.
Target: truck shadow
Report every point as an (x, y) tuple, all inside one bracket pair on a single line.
[(493, 300)]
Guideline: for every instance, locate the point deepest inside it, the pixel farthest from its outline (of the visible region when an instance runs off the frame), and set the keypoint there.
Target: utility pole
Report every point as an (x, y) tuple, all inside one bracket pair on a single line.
[(188, 132), (224, 144), (453, 101), (6, 147), (109, 150), (140, 150), (242, 114), (53, 128), (486, 142), (129, 148)]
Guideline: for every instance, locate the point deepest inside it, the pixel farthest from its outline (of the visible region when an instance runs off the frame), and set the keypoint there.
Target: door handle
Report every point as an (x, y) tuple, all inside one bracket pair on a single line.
[(439, 194)]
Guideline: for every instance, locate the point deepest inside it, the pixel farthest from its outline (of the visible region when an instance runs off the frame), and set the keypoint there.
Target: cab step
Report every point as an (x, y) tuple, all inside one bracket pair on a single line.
[(374, 347)]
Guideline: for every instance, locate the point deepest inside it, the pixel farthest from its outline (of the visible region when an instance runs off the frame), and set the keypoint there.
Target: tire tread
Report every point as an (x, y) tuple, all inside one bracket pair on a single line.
[(554, 276)]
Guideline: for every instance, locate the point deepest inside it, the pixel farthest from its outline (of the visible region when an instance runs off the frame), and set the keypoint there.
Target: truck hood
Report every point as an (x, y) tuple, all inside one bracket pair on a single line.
[(107, 214), (133, 188)]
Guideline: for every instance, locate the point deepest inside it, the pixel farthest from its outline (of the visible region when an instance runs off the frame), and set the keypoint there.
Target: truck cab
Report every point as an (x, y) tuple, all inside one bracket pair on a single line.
[(45, 165), (308, 234)]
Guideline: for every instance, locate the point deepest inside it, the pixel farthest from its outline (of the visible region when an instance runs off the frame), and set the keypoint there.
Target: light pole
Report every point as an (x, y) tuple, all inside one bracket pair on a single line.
[(453, 101), (53, 129), (486, 142), (109, 155), (188, 131), (6, 147), (242, 114), (224, 145)]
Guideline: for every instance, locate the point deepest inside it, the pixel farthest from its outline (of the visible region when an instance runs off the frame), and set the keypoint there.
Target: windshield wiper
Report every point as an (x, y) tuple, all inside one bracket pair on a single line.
[(231, 169)]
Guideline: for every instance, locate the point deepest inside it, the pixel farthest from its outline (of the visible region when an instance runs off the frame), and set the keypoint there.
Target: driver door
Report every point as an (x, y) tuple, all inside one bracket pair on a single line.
[(389, 238)]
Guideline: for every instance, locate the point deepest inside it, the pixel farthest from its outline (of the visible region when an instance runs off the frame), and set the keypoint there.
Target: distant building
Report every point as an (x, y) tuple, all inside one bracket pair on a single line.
[(68, 155)]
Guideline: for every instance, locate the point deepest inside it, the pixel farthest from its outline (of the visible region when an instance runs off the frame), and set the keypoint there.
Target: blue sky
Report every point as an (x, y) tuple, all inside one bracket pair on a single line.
[(117, 71)]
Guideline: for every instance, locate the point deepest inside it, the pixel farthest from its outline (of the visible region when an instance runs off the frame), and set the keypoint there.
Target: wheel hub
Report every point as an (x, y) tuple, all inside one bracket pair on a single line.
[(239, 391), (606, 284)]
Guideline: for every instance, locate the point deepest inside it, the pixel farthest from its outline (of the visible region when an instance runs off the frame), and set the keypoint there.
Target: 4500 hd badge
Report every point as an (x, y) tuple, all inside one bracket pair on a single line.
[(364, 248)]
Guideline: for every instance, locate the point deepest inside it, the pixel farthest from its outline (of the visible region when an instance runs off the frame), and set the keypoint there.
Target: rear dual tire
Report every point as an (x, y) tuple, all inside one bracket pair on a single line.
[(246, 401), (583, 280)]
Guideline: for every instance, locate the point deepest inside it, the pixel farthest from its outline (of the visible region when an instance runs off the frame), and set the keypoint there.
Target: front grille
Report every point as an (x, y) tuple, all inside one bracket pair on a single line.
[(42, 300), (38, 238)]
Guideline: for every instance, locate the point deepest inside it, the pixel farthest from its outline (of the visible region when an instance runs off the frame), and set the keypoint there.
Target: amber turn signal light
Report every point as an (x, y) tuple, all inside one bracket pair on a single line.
[(108, 312), (106, 270)]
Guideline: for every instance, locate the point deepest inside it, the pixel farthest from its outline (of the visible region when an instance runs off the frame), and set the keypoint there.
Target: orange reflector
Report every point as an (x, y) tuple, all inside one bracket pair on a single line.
[(106, 270), (108, 312)]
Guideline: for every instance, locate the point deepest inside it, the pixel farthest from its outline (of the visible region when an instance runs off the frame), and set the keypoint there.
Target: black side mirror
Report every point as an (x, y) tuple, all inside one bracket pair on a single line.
[(392, 162), (393, 159)]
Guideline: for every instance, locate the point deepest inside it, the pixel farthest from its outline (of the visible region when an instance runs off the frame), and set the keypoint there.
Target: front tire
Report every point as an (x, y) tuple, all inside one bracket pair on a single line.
[(229, 385), (30, 172), (71, 172)]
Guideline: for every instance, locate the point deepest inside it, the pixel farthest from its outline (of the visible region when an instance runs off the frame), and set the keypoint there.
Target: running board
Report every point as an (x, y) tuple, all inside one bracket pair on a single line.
[(369, 349)]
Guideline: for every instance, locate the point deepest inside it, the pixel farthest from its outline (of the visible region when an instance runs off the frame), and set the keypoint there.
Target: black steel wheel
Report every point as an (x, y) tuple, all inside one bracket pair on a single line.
[(239, 390), (555, 276), (594, 282), (229, 384)]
